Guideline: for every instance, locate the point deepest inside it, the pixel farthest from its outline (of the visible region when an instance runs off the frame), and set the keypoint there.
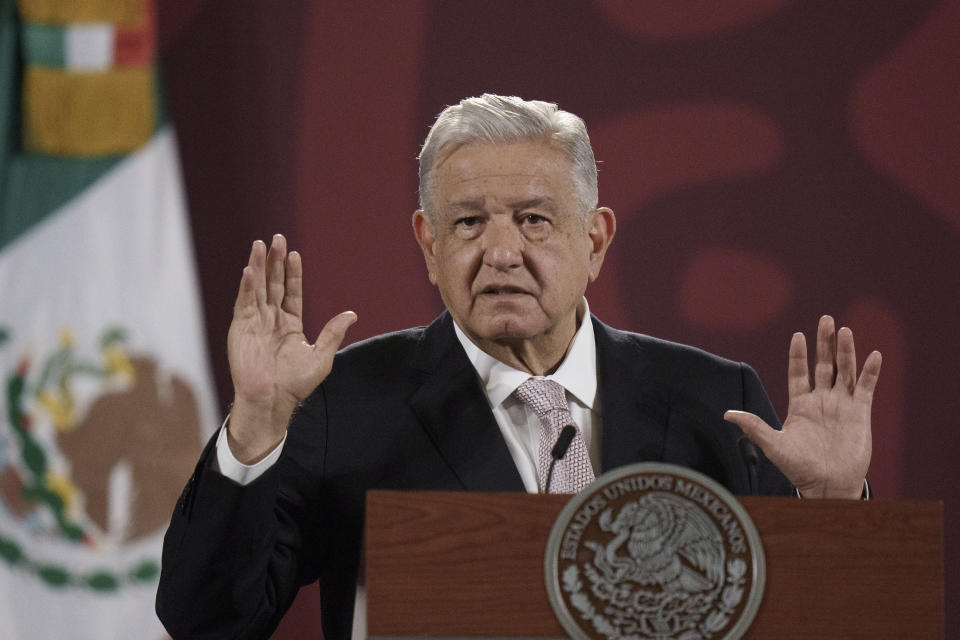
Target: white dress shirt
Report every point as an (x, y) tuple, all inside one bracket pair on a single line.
[(518, 423)]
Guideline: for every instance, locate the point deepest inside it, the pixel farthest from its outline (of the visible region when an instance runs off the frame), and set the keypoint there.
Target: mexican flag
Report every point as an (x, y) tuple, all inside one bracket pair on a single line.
[(105, 389)]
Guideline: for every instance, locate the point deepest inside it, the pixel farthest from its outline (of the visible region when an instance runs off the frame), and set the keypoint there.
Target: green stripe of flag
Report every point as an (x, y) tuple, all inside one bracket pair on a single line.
[(36, 185), (44, 45)]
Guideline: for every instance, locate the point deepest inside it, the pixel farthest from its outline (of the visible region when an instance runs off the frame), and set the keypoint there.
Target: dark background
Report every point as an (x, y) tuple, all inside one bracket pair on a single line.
[(769, 161)]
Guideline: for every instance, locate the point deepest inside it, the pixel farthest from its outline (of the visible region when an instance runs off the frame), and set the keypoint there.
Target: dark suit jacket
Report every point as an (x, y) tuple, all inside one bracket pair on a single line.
[(406, 411)]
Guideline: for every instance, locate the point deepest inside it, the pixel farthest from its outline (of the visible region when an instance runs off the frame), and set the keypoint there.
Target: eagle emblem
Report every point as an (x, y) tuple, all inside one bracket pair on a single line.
[(667, 562)]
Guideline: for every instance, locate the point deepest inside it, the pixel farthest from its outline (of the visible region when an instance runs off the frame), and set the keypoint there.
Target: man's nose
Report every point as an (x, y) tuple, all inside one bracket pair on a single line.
[(503, 245)]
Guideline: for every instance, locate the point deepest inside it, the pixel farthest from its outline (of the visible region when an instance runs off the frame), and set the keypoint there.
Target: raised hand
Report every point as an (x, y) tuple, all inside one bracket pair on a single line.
[(272, 364), (825, 444)]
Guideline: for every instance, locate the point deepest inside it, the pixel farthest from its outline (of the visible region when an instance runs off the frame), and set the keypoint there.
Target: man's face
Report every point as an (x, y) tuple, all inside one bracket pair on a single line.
[(508, 248)]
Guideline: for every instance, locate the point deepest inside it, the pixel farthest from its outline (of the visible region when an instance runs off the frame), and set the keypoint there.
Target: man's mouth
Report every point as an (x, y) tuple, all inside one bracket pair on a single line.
[(501, 291)]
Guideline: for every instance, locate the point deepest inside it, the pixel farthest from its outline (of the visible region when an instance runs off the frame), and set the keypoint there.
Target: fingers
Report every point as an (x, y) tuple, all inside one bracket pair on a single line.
[(272, 277), (824, 370), (293, 285), (798, 373), (846, 360), (275, 278), (836, 364), (331, 337), (757, 430), (868, 377), (251, 292)]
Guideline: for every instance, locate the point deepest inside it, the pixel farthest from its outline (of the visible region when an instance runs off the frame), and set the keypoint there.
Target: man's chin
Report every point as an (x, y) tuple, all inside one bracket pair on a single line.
[(506, 328)]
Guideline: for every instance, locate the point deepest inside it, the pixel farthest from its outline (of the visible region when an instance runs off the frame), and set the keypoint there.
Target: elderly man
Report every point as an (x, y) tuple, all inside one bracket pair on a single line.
[(512, 235)]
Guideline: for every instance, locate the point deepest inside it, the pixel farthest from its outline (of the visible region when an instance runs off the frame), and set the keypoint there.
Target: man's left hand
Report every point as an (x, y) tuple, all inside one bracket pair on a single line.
[(825, 444)]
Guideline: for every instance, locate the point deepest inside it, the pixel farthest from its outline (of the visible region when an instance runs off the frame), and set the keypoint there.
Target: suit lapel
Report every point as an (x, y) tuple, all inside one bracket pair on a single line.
[(634, 407), (454, 411)]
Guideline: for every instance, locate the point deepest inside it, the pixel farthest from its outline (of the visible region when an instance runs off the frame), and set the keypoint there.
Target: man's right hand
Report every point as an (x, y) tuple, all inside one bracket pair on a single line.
[(272, 364)]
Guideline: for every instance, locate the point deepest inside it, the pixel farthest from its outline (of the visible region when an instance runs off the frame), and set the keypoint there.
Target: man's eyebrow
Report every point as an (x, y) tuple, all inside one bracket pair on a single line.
[(533, 203), (478, 205), (469, 205)]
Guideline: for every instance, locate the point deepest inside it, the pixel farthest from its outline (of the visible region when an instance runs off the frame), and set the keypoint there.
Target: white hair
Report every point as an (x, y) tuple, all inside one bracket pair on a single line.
[(493, 119)]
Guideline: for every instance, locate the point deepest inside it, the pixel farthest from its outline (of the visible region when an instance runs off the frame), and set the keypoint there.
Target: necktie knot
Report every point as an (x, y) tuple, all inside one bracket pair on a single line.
[(547, 399)]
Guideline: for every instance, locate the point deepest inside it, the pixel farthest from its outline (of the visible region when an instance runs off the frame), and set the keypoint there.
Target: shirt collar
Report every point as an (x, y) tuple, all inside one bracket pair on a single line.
[(577, 373)]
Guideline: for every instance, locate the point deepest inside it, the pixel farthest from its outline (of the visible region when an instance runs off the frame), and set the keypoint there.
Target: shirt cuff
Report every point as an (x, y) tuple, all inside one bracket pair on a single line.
[(242, 474)]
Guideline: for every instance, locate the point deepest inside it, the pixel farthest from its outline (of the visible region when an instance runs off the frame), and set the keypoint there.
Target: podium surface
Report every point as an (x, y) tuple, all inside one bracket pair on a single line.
[(452, 564)]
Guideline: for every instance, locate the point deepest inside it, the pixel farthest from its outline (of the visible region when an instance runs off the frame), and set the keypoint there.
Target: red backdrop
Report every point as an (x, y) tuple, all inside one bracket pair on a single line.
[(769, 161)]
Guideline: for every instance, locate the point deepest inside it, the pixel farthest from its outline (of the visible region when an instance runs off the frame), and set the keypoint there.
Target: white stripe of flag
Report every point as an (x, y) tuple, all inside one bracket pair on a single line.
[(89, 47)]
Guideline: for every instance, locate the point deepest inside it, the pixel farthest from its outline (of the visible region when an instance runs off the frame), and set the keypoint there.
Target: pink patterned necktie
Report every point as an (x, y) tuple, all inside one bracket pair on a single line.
[(548, 399)]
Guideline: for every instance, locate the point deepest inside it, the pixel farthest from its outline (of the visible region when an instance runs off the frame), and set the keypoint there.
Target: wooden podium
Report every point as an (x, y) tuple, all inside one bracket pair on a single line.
[(461, 565)]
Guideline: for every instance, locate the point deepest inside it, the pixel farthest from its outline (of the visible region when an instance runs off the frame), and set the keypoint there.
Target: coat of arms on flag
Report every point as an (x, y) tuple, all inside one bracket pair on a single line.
[(105, 393)]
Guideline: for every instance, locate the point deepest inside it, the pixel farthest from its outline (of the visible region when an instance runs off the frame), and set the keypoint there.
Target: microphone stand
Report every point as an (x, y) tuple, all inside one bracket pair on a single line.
[(750, 453), (559, 450)]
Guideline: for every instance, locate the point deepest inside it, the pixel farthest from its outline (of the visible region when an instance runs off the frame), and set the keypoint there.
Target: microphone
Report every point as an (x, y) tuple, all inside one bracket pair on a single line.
[(559, 450), (750, 453)]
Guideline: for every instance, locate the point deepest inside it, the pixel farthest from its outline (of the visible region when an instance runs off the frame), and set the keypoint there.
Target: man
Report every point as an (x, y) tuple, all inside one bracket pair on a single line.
[(511, 234)]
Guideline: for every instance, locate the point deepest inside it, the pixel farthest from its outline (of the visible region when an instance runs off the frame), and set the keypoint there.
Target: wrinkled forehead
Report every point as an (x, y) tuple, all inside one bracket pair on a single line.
[(512, 170)]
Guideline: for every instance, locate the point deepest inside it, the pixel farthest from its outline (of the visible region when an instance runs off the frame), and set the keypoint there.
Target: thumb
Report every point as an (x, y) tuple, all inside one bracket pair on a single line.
[(332, 334), (755, 428)]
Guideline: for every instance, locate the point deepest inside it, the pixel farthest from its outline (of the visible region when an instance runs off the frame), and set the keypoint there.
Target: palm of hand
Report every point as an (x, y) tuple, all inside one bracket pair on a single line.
[(271, 360), (825, 444), (826, 436)]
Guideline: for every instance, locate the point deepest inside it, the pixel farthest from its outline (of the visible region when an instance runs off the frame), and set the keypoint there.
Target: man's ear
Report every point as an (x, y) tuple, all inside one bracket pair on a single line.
[(423, 231), (600, 229)]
